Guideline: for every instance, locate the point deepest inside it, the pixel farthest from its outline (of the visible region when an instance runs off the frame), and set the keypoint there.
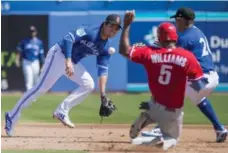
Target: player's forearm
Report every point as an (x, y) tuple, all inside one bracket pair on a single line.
[(17, 61), (124, 45), (18, 56), (102, 84), (199, 84)]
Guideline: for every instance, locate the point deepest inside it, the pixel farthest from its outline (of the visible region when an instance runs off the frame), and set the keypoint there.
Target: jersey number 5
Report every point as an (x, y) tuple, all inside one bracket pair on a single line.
[(165, 74)]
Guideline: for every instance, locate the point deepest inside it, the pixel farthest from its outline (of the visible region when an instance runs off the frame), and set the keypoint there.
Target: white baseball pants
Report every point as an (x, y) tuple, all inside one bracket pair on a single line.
[(31, 71), (53, 69), (198, 97)]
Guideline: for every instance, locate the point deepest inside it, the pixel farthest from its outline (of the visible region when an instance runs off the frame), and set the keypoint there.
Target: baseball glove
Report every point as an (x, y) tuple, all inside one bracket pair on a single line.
[(144, 105), (107, 107)]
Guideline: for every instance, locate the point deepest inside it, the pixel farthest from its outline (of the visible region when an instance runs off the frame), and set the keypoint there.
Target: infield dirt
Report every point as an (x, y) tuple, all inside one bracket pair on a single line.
[(101, 138)]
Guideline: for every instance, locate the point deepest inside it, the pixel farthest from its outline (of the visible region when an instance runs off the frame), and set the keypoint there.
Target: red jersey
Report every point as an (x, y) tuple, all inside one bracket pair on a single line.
[(167, 72)]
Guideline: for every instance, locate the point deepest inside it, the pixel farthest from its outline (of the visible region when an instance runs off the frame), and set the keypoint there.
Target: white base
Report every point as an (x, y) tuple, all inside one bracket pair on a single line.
[(154, 141)]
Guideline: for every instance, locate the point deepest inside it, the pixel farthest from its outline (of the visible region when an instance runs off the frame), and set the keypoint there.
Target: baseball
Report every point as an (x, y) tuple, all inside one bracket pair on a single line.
[(111, 50)]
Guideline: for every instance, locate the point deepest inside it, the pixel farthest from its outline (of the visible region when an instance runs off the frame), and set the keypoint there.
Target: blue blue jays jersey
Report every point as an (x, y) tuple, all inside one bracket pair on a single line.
[(31, 49), (195, 41), (86, 41)]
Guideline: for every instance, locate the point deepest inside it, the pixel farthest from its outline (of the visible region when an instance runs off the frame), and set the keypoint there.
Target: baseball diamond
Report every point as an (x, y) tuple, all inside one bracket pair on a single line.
[(114, 76)]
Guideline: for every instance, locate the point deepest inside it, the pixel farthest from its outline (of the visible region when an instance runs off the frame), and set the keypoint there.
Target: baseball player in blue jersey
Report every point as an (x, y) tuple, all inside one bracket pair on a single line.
[(31, 51), (64, 59), (194, 40)]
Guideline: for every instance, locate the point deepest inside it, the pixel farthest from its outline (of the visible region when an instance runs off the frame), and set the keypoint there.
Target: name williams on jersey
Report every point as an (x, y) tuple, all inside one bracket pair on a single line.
[(169, 58)]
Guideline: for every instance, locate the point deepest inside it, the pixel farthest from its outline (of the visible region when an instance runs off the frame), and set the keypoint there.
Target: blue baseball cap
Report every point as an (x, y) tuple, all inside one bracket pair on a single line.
[(114, 19), (185, 13)]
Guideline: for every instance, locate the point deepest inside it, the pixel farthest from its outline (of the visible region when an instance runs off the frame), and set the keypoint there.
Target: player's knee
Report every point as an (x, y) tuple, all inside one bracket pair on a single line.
[(197, 101), (89, 85)]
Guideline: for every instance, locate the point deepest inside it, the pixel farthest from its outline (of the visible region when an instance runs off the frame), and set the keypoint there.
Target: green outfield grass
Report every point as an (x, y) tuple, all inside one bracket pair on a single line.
[(127, 104), (41, 151)]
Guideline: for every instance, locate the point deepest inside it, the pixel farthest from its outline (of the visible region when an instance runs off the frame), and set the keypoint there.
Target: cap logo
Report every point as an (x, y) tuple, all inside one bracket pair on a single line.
[(80, 32)]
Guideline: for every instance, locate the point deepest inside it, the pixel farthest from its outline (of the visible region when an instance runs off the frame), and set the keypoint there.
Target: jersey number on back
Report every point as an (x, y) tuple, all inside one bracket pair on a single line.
[(206, 49), (165, 74)]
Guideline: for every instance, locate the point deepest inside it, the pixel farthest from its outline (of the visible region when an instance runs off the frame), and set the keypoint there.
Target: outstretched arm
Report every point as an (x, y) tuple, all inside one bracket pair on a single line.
[(102, 65), (124, 45), (102, 84), (106, 107)]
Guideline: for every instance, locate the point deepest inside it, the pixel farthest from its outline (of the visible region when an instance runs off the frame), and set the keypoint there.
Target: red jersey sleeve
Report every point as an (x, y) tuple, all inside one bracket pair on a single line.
[(194, 70), (138, 53)]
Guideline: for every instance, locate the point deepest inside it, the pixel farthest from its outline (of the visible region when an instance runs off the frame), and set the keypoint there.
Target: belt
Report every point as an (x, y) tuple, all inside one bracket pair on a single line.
[(170, 109), (166, 108)]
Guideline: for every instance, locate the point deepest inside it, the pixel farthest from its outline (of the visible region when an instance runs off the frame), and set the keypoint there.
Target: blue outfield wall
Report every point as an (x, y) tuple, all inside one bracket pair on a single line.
[(112, 5)]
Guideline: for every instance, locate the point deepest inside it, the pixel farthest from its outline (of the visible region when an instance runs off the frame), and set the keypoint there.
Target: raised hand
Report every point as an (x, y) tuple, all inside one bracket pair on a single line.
[(129, 17)]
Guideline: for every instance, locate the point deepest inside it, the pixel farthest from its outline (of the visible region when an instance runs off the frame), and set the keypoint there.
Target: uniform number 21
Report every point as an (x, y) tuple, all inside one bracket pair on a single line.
[(165, 74)]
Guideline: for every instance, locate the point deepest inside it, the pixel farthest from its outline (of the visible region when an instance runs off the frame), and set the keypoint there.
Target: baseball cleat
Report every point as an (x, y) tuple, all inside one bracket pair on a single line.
[(221, 135), (152, 141), (169, 142), (8, 125), (152, 133), (138, 125), (63, 118)]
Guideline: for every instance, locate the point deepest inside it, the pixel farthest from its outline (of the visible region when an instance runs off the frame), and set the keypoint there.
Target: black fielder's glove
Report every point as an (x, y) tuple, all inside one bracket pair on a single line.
[(107, 107), (144, 105)]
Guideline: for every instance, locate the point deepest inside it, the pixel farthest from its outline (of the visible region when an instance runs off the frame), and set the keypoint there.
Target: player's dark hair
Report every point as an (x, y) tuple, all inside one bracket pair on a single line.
[(106, 23)]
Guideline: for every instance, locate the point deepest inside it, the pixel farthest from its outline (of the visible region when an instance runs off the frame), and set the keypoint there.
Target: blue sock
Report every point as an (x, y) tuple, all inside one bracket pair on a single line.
[(208, 111)]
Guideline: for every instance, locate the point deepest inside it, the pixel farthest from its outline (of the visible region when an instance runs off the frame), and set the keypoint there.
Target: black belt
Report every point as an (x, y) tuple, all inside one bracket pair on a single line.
[(166, 108), (170, 109)]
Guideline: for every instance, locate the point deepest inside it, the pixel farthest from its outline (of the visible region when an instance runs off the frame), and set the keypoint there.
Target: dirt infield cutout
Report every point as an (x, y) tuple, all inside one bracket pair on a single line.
[(103, 138)]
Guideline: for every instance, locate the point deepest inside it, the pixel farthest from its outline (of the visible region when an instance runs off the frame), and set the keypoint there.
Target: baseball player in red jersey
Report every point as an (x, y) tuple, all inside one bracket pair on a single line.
[(168, 69)]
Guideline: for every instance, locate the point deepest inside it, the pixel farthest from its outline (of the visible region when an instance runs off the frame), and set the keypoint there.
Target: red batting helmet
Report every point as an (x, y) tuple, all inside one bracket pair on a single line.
[(167, 32)]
